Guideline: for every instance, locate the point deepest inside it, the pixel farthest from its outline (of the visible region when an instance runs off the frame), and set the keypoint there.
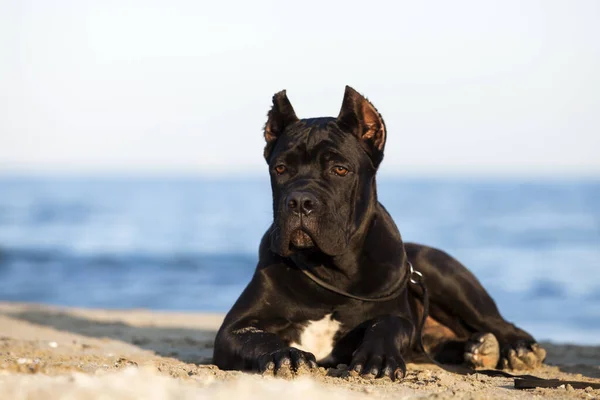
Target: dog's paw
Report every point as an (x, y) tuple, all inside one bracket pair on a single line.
[(375, 363), (522, 356), (286, 362), (482, 350)]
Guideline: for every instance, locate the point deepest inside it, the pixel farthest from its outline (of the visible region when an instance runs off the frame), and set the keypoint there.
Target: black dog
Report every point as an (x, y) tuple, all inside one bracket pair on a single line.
[(331, 234)]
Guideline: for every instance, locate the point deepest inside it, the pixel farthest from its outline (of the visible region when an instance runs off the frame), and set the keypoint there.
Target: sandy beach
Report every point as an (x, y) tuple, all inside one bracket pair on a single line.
[(54, 352)]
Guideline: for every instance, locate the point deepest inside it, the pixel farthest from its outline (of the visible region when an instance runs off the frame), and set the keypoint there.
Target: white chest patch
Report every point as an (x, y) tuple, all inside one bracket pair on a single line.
[(317, 337)]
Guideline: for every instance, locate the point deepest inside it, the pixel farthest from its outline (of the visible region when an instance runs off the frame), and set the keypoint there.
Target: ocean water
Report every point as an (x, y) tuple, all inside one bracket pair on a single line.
[(191, 244)]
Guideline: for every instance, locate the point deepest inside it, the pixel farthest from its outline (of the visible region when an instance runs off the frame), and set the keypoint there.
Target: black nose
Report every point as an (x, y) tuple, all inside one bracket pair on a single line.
[(301, 202)]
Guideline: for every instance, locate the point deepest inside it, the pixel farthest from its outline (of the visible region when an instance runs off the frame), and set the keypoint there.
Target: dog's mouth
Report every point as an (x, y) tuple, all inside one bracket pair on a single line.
[(299, 239)]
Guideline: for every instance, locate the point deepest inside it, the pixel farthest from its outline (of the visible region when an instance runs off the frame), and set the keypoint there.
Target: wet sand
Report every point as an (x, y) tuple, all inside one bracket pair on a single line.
[(54, 352)]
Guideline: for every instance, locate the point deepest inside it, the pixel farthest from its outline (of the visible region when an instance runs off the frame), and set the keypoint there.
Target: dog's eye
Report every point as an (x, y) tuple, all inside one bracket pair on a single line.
[(280, 169), (340, 171)]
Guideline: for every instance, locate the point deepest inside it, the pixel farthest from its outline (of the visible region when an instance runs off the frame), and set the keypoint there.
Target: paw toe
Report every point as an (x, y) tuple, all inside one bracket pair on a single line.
[(482, 351), (515, 361), (539, 351)]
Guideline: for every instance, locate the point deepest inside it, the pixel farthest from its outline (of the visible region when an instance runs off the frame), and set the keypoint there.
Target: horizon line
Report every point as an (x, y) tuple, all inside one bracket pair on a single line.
[(409, 174)]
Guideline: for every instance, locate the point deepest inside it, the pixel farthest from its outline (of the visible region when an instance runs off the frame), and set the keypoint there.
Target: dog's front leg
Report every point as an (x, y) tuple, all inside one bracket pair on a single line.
[(249, 339), (248, 347), (385, 340)]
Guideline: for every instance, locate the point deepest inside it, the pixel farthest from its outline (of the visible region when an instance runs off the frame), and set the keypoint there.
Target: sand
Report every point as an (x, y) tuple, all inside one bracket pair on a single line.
[(68, 353)]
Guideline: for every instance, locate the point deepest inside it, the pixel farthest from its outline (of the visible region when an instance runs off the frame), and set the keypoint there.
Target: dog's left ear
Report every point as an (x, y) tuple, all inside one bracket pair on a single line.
[(279, 117), (361, 118)]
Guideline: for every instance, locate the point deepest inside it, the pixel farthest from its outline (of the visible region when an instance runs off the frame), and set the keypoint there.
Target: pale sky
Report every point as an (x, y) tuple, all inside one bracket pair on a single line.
[(465, 87)]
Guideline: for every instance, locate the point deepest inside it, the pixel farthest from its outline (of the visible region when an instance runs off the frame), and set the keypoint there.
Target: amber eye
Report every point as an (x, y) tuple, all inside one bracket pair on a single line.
[(340, 171), (280, 169)]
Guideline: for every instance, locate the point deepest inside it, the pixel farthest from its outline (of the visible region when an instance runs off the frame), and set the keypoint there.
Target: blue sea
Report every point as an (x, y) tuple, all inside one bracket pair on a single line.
[(191, 244)]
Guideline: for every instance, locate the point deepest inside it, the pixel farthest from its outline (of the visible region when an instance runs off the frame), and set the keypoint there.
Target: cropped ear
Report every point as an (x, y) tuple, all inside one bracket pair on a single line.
[(361, 118), (279, 117)]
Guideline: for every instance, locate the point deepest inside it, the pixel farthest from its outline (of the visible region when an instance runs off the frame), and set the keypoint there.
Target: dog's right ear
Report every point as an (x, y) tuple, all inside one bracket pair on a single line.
[(279, 117)]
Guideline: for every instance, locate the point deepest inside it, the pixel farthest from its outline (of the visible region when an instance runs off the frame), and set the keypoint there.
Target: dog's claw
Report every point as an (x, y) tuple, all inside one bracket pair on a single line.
[(266, 367), (357, 368)]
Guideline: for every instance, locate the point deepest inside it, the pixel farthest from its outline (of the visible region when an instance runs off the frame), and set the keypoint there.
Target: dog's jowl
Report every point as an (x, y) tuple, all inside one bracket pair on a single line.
[(332, 246)]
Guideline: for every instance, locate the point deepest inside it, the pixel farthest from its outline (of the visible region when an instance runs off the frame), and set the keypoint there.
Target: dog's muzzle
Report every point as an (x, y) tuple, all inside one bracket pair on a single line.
[(302, 208)]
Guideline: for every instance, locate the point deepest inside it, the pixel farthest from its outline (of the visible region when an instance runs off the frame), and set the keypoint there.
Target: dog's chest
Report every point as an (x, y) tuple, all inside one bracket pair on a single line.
[(317, 337)]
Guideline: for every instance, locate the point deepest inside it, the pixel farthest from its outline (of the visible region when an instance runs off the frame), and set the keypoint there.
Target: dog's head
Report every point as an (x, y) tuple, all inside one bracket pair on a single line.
[(322, 173)]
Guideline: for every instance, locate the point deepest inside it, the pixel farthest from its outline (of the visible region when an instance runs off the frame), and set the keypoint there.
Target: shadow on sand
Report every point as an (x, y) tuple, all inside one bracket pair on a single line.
[(185, 344)]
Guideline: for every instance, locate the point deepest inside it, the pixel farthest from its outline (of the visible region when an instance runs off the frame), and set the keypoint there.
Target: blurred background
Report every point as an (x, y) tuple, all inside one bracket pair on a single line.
[(131, 170)]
